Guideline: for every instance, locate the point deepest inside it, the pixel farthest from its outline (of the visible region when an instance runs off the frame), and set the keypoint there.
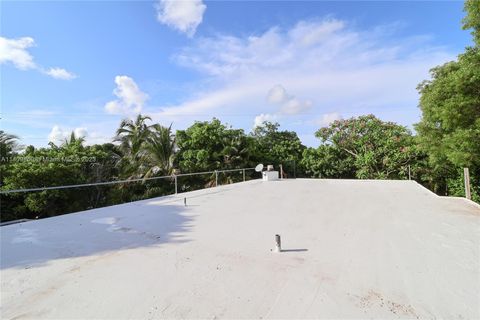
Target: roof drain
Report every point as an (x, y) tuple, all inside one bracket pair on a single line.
[(278, 244)]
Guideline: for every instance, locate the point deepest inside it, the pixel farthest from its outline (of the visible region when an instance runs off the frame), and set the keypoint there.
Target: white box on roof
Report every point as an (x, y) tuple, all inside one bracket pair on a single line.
[(270, 175)]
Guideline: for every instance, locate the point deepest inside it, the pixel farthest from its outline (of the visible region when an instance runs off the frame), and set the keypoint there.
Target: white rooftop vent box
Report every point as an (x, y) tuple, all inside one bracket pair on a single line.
[(270, 174)]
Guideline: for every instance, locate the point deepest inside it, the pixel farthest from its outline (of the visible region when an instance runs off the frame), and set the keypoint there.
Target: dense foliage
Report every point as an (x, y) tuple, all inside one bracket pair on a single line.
[(140, 151), (365, 147), (278, 147), (449, 131), (472, 19), (70, 163), (207, 146)]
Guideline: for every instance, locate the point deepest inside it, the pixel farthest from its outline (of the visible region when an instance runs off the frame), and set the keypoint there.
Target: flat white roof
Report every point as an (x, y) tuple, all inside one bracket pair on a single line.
[(353, 249)]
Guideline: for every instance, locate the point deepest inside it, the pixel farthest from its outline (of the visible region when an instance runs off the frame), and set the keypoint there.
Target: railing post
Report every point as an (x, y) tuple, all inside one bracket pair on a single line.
[(466, 176), (216, 178), (409, 173), (243, 175), (176, 184)]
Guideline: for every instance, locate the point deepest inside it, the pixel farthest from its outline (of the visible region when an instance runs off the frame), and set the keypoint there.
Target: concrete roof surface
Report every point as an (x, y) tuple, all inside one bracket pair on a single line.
[(352, 249)]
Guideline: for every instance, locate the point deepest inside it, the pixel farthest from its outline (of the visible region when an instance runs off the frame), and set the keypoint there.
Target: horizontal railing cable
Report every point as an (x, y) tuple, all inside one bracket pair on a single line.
[(173, 176), (232, 170)]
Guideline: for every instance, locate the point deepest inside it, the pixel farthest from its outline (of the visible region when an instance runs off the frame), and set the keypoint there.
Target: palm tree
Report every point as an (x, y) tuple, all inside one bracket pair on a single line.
[(132, 135), (235, 151), (234, 154), (8, 144), (73, 141), (159, 151)]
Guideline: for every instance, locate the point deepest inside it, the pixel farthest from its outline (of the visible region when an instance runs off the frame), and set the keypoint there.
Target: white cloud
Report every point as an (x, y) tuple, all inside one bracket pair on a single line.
[(60, 73), (338, 67), (313, 42), (305, 35), (327, 118), (295, 106), (59, 134), (80, 132), (56, 135), (277, 94), (130, 98), (182, 15), (15, 51), (288, 104), (261, 118), (202, 104)]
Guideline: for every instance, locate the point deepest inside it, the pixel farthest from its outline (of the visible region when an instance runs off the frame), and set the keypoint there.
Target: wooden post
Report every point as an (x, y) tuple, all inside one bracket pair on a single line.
[(243, 175), (281, 172), (466, 176), (176, 184), (409, 173), (216, 178)]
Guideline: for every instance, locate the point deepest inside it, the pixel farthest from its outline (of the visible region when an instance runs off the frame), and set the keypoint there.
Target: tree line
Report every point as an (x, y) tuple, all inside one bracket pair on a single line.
[(447, 139)]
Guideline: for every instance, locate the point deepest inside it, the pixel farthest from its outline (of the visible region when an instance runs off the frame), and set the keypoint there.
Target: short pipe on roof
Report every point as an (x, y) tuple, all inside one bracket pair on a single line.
[(278, 244)]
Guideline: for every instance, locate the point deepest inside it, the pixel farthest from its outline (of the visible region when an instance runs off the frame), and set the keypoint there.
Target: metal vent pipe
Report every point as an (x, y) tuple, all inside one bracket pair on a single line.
[(278, 243)]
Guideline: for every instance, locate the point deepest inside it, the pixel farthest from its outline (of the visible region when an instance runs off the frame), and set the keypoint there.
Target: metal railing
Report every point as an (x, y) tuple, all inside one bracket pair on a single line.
[(173, 176)]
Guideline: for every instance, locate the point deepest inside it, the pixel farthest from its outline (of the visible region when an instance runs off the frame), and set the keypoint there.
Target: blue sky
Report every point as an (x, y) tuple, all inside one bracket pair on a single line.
[(85, 65)]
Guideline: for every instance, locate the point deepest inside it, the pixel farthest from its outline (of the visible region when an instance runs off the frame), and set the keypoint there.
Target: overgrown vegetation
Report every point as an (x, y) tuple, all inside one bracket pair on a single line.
[(447, 140), (449, 131), (364, 148)]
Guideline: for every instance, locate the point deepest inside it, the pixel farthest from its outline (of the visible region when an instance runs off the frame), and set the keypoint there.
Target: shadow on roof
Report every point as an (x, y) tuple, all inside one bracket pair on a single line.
[(93, 232)]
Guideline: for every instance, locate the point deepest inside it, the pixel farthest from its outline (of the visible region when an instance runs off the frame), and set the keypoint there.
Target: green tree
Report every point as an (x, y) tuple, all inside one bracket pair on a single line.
[(449, 131), (73, 140), (364, 147), (159, 151), (145, 151), (472, 19), (278, 147), (211, 145), (328, 161), (8, 145), (132, 135), (68, 164)]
